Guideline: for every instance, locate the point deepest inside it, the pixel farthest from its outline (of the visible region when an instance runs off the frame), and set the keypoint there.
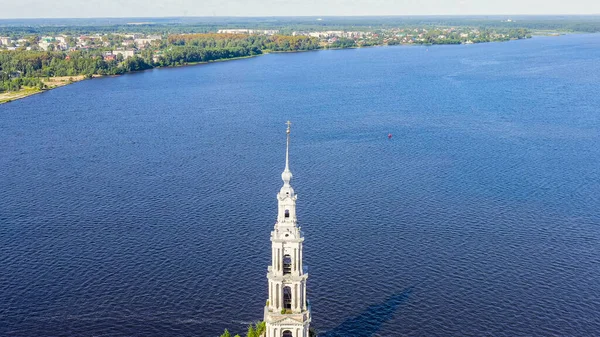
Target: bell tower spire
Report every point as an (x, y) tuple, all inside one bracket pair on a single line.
[(286, 176), (287, 313)]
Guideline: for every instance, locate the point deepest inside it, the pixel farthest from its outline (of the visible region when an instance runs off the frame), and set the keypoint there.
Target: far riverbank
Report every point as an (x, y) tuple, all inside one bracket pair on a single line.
[(59, 81)]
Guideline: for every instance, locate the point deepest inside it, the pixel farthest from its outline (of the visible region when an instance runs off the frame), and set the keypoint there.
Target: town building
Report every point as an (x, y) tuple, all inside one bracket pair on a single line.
[(141, 43), (248, 31), (287, 312), (126, 53), (235, 31)]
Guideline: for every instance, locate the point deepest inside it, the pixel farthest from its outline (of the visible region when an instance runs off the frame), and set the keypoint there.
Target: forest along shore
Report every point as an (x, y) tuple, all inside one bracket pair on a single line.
[(37, 55), (29, 70), (40, 57), (59, 81), (47, 83)]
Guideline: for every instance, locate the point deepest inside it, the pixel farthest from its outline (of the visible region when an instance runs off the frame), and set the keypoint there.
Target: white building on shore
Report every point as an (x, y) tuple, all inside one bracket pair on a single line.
[(126, 53), (248, 31)]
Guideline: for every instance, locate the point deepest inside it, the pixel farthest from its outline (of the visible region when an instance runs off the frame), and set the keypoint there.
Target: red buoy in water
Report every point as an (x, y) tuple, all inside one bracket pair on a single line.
[(389, 136)]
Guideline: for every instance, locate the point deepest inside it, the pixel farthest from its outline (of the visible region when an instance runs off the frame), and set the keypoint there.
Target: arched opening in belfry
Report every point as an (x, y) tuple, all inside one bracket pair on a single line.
[(287, 213), (287, 298), (287, 333), (287, 264)]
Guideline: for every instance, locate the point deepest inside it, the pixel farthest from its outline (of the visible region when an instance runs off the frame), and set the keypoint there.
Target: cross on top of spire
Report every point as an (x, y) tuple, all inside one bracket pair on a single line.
[(288, 128)]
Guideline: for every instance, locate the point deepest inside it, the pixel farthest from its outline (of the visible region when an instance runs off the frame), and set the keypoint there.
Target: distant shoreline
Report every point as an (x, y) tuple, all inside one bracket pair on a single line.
[(56, 82), (52, 83), (62, 81)]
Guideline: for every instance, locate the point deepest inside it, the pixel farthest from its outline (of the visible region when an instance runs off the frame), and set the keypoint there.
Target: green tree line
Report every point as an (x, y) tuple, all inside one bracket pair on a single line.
[(176, 50), (26, 27), (15, 84)]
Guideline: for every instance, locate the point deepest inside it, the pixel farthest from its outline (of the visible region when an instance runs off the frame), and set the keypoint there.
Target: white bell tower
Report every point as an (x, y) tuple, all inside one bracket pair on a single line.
[(287, 313)]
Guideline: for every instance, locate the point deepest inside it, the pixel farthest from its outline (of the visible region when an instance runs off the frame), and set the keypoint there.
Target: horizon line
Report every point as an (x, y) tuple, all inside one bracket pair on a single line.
[(302, 16)]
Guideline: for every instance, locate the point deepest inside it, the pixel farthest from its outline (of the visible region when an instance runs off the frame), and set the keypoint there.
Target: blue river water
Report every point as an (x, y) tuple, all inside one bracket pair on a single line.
[(142, 205)]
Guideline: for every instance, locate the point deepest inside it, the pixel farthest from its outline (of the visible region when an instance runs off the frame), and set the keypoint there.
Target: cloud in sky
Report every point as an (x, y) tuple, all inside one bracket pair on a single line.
[(145, 8)]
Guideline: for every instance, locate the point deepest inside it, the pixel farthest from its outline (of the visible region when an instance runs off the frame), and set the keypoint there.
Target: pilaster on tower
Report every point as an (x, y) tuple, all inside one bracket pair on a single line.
[(287, 313)]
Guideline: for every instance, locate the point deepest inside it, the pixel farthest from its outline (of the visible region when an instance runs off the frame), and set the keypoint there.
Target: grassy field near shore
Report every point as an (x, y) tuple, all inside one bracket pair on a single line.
[(13, 95), (50, 82)]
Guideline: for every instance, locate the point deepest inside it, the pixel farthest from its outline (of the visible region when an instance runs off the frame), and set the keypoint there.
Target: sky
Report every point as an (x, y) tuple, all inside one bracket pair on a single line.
[(11, 9)]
